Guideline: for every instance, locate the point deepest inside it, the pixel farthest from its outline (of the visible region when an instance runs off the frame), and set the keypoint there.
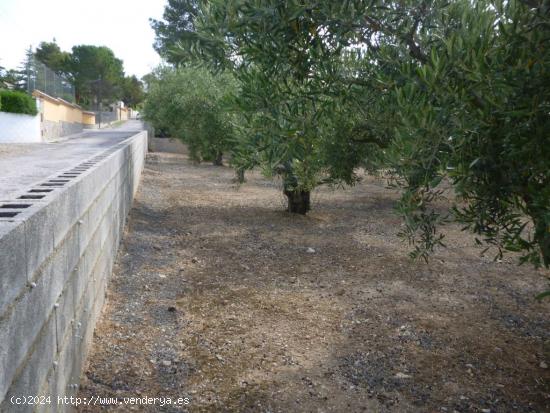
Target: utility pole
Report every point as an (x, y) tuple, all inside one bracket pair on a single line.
[(99, 98)]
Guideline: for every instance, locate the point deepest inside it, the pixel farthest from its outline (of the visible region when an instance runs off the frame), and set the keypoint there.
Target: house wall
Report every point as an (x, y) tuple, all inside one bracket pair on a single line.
[(123, 114), (59, 117), (88, 118), (19, 128)]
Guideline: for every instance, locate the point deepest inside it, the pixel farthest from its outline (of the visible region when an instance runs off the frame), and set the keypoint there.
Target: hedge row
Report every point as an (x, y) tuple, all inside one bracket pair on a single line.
[(17, 102)]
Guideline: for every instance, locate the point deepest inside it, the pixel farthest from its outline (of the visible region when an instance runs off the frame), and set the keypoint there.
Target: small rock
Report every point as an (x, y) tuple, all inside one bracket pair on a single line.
[(166, 363), (220, 358), (172, 309), (310, 250), (162, 276), (543, 365), (402, 376), (486, 410), (194, 260)]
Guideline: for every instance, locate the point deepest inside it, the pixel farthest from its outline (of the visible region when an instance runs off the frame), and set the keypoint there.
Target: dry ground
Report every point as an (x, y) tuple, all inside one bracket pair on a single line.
[(216, 297)]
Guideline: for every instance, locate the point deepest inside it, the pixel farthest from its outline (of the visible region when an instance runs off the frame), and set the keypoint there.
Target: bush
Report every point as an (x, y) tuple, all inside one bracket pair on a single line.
[(17, 102), (188, 104)]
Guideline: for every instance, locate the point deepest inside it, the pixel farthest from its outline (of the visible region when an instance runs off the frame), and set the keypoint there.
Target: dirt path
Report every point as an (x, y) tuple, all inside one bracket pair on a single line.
[(216, 297)]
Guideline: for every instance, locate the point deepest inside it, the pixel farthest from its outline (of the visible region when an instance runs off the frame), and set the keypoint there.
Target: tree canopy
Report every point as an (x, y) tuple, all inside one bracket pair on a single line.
[(94, 70), (178, 21), (436, 94), (52, 56), (132, 91), (191, 104)]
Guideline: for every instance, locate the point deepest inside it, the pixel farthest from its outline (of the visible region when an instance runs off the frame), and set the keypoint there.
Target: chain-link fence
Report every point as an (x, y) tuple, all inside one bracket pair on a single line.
[(40, 77)]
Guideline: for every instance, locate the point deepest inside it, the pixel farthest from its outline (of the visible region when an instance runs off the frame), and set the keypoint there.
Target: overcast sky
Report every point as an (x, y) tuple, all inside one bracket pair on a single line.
[(122, 25)]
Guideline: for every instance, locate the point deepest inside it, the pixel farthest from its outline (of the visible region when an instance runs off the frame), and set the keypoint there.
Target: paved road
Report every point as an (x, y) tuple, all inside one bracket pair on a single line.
[(40, 160)]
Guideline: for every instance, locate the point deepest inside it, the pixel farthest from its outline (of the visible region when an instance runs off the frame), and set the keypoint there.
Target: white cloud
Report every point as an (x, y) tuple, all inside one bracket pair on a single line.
[(122, 25)]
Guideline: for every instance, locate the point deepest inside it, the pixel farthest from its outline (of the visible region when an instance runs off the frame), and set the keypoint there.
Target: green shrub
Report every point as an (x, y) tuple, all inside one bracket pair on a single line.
[(17, 102), (188, 104)]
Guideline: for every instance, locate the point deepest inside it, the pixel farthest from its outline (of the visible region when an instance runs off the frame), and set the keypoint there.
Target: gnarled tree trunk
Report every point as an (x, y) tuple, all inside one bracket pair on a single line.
[(218, 160), (298, 201), (239, 174)]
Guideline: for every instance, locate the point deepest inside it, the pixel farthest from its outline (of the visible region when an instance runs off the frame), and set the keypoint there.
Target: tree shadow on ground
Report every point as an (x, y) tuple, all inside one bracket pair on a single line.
[(249, 308)]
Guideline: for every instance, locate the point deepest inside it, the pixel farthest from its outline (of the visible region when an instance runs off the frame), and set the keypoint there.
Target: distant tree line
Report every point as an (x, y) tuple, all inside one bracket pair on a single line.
[(94, 71)]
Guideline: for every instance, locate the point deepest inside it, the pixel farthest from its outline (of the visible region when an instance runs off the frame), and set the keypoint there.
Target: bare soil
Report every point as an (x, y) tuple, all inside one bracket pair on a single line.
[(221, 296)]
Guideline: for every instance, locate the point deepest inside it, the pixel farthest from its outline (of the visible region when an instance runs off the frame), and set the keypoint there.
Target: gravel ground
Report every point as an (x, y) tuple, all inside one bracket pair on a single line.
[(220, 296), (15, 149)]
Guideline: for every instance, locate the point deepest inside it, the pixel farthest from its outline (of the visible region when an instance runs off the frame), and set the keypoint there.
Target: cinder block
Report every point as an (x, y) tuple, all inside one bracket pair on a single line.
[(71, 354), (76, 285), (105, 224), (61, 380), (79, 285), (39, 239), (13, 267), (85, 319), (72, 293), (94, 183), (84, 231), (33, 373), (67, 211), (72, 245), (23, 321), (100, 204)]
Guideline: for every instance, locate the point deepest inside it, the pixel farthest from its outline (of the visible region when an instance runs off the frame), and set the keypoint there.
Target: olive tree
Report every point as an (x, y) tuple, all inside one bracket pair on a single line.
[(439, 92), (296, 125), (188, 104), (471, 86)]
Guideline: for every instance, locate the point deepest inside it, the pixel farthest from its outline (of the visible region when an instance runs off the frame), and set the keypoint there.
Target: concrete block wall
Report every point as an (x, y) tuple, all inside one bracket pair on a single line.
[(105, 117), (56, 256), (52, 130)]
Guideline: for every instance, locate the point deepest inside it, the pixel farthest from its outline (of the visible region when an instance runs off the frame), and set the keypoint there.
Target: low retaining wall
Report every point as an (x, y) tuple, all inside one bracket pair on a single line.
[(53, 130), (57, 249), (105, 117), (15, 127)]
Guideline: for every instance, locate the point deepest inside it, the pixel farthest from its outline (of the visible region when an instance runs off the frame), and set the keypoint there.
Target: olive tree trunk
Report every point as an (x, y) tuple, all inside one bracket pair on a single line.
[(218, 160), (240, 176), (298, 201)]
